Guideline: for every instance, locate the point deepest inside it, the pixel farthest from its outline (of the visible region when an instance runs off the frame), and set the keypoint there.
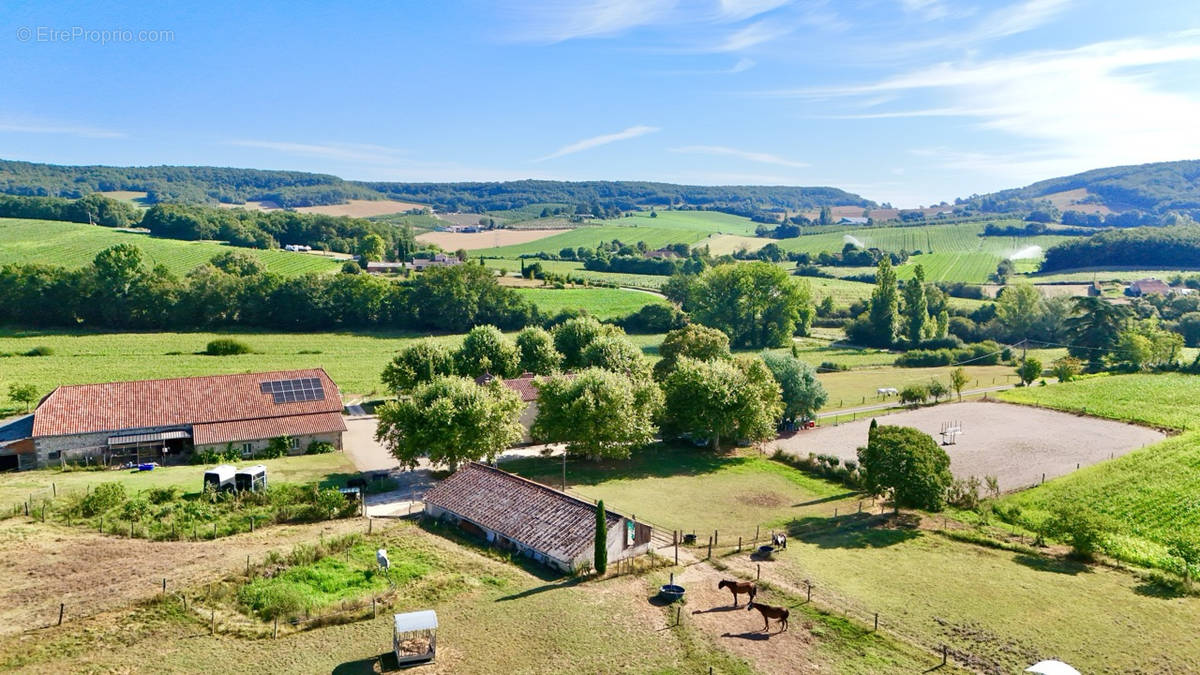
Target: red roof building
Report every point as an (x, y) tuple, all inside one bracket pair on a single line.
[(164, 419)]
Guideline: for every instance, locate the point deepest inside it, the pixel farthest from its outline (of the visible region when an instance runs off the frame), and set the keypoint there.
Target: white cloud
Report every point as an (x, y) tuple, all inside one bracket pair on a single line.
[(597, 141), (1097, 105), (930, 10), (354, 152), (58, 129), (567, 20), (760, 157), (742, 65), (738, 10), (751, 35), (1017, 18)]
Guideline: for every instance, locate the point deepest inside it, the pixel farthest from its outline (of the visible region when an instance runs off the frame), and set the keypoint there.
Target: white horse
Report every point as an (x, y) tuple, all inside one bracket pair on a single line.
[(887, 391)]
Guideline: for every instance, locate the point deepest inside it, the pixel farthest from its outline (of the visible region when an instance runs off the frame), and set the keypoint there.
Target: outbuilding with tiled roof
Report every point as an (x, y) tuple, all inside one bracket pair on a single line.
[(163, 420), (535, 520)]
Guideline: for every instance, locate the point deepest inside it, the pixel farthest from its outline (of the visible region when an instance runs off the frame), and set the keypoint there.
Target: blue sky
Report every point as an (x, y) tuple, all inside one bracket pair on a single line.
[(907, 101)]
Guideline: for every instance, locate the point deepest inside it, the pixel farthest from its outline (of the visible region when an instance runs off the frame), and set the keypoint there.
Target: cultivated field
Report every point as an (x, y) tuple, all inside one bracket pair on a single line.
[(603, 303), (1016, 444), (361, 208), (76, 245), (452, 241)]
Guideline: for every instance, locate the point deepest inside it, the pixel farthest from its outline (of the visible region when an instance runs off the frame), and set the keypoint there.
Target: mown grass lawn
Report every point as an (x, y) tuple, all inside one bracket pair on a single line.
[(75, 245)]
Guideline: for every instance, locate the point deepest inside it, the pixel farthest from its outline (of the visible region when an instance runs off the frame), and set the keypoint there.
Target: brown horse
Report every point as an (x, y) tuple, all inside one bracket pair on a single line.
[(739, 587), (771, 612)]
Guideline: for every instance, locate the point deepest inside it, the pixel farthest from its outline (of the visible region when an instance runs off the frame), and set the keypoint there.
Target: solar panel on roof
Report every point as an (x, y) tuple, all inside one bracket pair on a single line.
[(294, 391)]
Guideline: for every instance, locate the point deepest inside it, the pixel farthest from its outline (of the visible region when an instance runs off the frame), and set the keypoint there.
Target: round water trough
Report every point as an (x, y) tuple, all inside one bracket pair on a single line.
[(671, 592), (689, 539), (766, 550)]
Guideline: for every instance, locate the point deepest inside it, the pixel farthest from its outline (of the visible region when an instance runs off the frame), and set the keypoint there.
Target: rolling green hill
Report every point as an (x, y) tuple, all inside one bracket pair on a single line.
[(74, 245), (1157, 187)]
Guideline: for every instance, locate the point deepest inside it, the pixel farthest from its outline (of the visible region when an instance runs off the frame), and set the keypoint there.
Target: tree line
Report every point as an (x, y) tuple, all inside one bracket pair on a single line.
[(1145, 247), (597, 394), (193, 184)]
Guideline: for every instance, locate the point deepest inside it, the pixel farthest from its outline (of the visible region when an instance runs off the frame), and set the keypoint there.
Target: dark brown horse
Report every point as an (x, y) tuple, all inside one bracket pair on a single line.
[(771, 612), (739, 587)]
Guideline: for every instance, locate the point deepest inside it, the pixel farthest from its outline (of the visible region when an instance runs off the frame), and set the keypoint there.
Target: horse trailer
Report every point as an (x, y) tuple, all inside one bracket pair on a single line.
[(219, 478), (251, 479)]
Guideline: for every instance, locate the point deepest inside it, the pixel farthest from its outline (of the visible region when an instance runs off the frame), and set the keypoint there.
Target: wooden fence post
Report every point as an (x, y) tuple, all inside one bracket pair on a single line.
[(275, 635), (876, 622), (164, 585), (710, 548), (677, 554), (247, 564), (758, 571), (131, 529), (61, 608), (808, 590), (214, 529), (756, 534), (739, 544), (54, 489), (374, 610), (715, 533), (945, 652), (213, 626), (370, 525)]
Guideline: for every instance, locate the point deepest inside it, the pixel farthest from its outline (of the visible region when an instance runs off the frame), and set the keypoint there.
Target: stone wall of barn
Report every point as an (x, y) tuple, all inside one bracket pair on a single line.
[(249, 448)]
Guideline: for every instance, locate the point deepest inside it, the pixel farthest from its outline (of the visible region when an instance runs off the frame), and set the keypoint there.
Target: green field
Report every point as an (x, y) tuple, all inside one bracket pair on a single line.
[(1150, 494), (603, 303), (74, 245), (669, 227), (574, 268)]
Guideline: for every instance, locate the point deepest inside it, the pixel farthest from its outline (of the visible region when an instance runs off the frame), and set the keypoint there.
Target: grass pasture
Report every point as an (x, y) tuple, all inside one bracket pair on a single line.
[(603, 303), (1150, 495), (75, 245), (573, 268)]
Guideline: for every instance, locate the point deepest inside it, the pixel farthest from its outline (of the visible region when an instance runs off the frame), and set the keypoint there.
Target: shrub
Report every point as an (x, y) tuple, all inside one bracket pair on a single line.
[(135, 509), (162, 495), (226, 347), (40, 350), (319, 448), (964, 493), (278, 447), (103, 498), (831, 367), (1080, 527)]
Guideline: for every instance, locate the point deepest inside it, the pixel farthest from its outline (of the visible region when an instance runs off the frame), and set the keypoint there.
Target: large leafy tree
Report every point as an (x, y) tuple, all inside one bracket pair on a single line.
[(451, 420), (573, 336), (909, 464), (416, 364), (801, 391), (1018, 308), (456, 297), (693, 341), (538, 355), (616, 353), (597, 413), (1094, 329), (724, 399), (486, 350), (756, 304)]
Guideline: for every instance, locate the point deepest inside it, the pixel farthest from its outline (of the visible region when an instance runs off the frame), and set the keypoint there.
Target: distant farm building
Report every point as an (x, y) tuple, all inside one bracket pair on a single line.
[(438, 260), (165, 420), (1143, 287), (300, 248), (387, 267), (537, 521), (853, 220)]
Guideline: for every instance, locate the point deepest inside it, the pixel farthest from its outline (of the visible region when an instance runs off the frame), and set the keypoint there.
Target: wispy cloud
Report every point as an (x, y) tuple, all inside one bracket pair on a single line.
[(751, 35), (597, 141), (1096, 105), (1019, 17), (929, 10), (58, 129), (760, 157), (354, 152), (571, 19), (741, 66), (738, 10)]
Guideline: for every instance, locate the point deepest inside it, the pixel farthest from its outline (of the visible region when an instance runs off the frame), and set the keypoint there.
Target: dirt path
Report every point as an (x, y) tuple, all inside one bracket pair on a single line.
[(43, 565), (740, 631)]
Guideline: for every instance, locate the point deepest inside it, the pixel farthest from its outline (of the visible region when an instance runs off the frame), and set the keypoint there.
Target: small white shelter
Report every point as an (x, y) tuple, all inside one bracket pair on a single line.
[(414, 639), (1051, 667)]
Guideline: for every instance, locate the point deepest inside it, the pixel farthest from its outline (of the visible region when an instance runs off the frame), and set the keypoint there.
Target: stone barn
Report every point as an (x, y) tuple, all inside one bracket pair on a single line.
[(165, 420), (521, 515)]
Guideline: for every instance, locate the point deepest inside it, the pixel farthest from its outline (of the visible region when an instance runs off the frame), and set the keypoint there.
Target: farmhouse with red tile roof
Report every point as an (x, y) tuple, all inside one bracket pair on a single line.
[(162, 420)]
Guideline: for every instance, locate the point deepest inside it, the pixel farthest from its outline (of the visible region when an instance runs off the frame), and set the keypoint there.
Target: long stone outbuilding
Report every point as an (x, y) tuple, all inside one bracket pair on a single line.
[(165, 420)]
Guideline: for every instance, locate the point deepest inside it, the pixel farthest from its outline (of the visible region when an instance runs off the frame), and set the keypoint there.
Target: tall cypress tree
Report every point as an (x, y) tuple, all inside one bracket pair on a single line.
[(601, 558), (916, 307), (884, 301)]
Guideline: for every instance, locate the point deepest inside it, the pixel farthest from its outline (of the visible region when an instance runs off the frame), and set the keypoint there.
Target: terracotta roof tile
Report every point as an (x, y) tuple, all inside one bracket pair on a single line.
[(267, 427), (537, 516), (114, 406)]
